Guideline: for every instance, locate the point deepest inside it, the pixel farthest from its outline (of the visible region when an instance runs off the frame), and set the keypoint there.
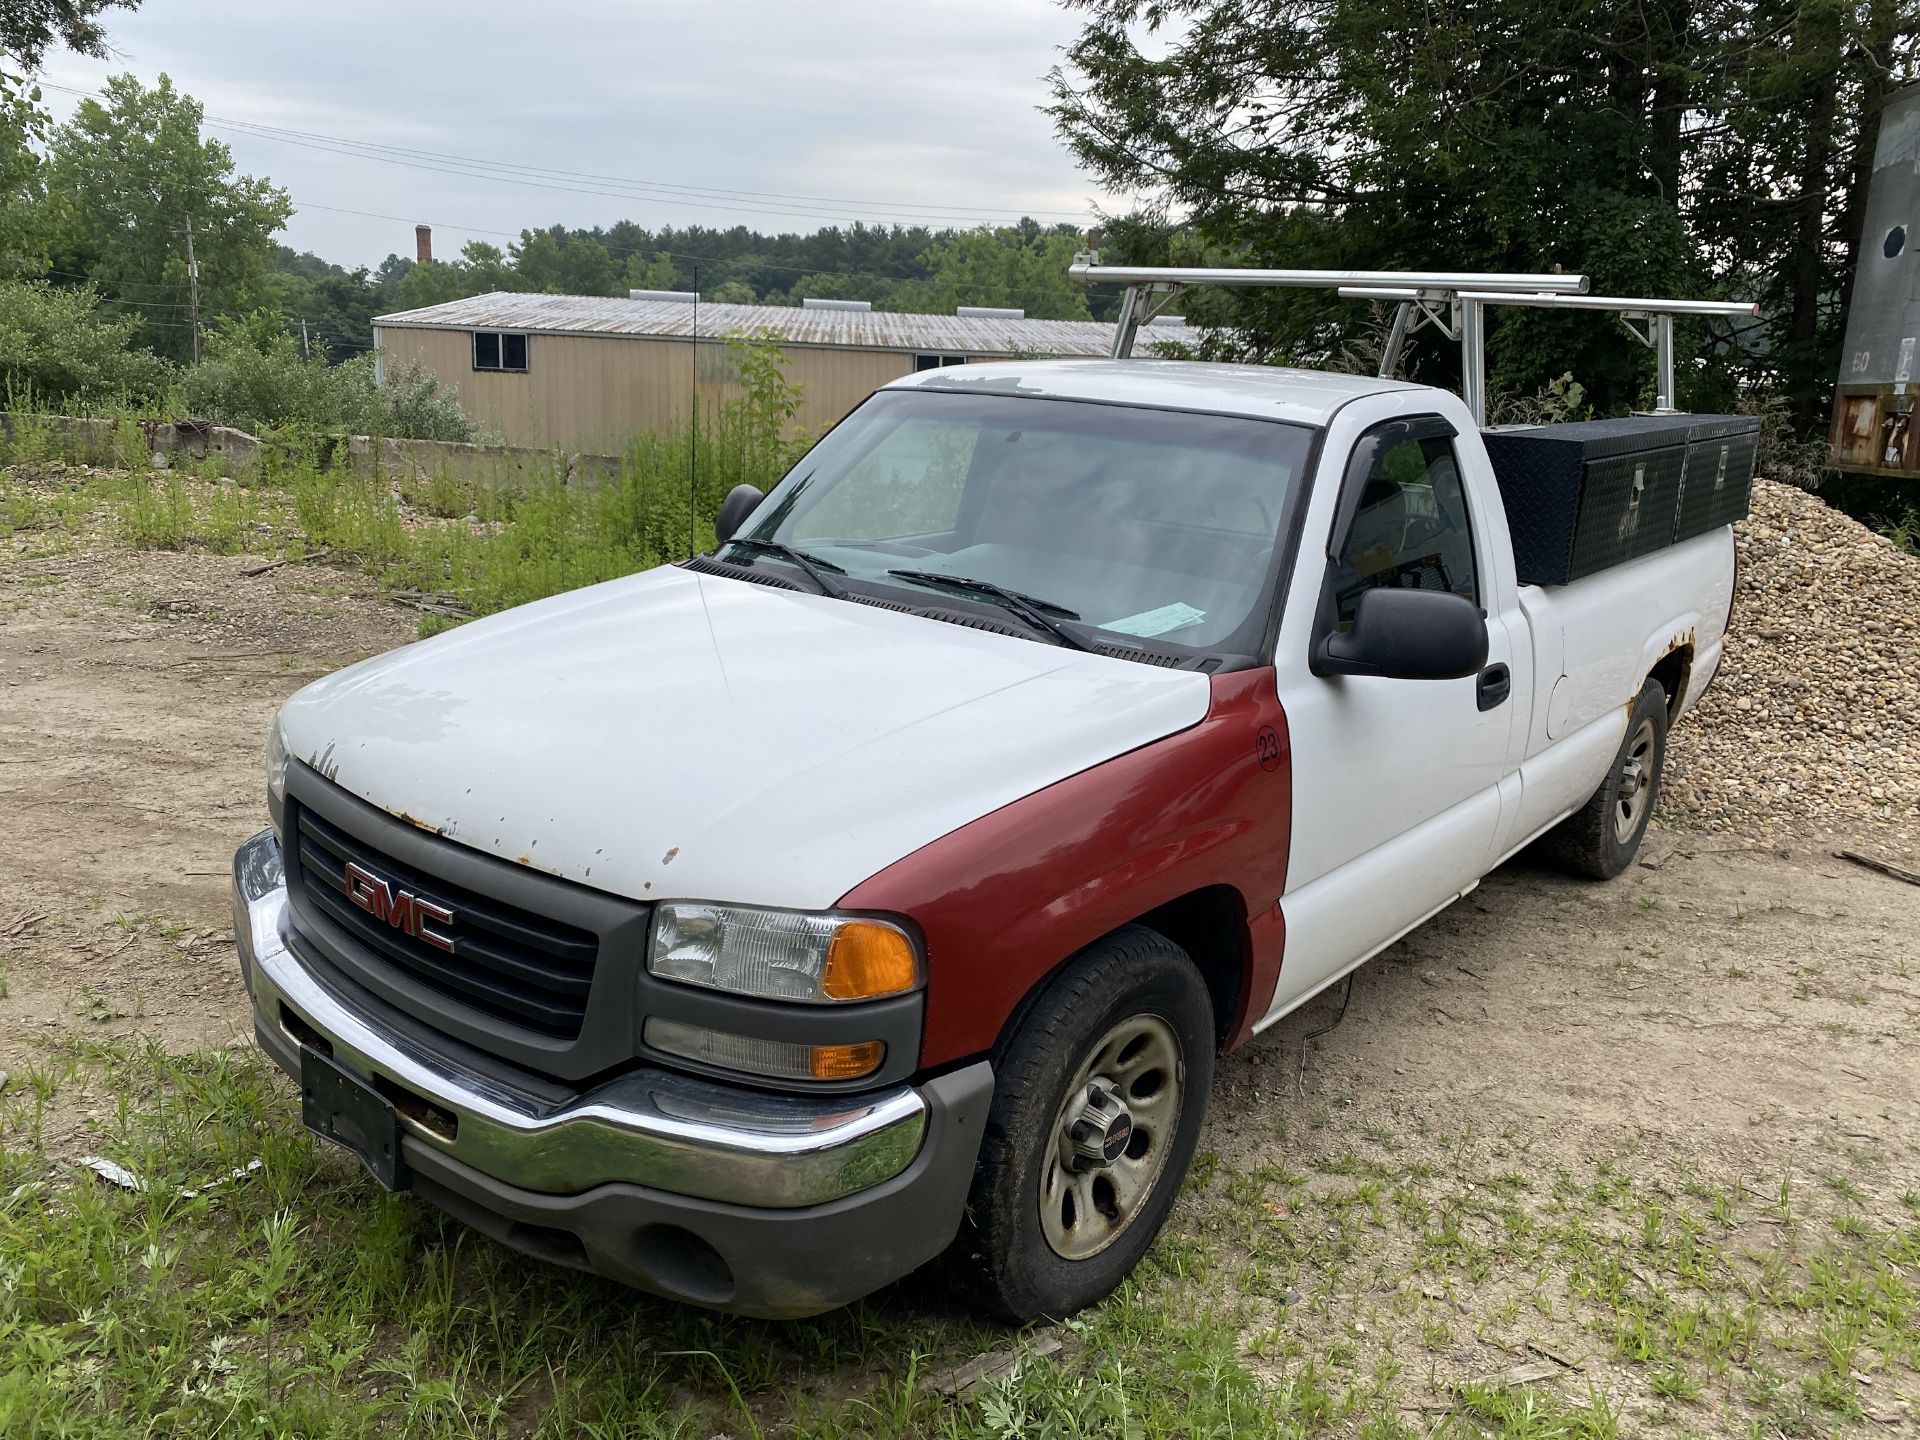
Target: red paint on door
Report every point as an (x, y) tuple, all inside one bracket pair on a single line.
[(1003, 900)]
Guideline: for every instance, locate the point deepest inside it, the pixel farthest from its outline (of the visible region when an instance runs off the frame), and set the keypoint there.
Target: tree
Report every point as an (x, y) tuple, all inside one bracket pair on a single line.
[(24, 229), (650, 274), (334, 306), (129, 173), (833, 285), (558, 261), (1781, 164), (56, 348), (1022, 267), (480, 270), (30, 28), (1629, 143)]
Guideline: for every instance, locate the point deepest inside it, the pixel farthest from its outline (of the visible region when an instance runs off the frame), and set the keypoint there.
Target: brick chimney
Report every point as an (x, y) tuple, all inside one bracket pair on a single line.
[(423, 244)]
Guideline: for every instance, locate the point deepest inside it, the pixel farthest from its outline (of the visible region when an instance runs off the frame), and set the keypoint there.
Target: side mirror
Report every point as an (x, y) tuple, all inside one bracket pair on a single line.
[(741, 502), (1407, 635)]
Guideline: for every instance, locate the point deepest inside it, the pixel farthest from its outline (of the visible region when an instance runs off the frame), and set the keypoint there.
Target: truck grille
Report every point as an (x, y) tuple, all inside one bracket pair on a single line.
[(507, 962)]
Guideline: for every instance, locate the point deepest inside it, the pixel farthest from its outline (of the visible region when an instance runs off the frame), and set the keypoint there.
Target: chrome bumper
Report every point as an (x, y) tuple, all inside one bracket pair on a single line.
[(650, 1128)]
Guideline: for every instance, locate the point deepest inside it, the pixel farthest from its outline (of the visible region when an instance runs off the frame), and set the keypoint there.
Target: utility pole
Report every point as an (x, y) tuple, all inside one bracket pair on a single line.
[(305, 353), (193, 290)]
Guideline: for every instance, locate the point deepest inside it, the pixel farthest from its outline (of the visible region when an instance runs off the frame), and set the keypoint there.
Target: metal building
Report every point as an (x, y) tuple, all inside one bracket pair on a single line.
[(1873, 410), (586, 373)]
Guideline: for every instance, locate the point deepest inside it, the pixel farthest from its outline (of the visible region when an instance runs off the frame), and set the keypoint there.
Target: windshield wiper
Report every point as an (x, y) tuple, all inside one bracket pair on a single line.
[(1030, 608), (812, 564)]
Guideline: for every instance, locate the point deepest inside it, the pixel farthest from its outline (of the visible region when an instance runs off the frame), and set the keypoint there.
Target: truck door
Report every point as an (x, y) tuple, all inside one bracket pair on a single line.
[(1396, 783)]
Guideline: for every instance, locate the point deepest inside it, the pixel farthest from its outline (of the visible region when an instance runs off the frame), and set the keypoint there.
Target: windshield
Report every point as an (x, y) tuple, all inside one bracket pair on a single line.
[(1157, 525)]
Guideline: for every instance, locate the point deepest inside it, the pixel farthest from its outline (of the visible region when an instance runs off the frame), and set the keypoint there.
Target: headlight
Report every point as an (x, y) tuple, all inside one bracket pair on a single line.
[(781, 954), (276, 765)]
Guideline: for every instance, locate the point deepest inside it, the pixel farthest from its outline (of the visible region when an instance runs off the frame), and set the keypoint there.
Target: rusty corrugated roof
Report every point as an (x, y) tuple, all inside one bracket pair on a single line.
[(855, 329)]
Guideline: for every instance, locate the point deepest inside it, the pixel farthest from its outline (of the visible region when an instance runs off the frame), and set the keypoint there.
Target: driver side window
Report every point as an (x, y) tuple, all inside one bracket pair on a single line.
[(1410, 530)]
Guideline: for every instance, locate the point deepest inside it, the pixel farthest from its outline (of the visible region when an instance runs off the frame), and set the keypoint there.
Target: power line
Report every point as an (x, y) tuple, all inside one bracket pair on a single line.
[(665, 186), (770, 208), (659, 192), (405, 220), (365, 150), (119, 285)]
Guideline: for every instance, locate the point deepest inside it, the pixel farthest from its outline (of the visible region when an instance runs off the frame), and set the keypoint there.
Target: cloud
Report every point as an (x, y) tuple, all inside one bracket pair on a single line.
[(924, 111)]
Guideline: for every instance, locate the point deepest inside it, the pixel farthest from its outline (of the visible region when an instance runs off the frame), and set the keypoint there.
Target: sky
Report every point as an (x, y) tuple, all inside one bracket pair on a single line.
[(920, 111)]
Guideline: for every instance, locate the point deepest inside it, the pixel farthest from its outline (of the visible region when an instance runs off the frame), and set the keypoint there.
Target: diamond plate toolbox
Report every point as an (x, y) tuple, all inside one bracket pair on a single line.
[(1585, 496)]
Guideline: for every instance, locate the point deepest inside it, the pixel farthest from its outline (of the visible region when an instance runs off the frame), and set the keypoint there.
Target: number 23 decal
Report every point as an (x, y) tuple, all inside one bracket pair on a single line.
[(1266, 745)]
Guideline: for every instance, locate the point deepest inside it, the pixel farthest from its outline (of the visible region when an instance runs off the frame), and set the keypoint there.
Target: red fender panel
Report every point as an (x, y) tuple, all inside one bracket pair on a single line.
[(1003, 900)]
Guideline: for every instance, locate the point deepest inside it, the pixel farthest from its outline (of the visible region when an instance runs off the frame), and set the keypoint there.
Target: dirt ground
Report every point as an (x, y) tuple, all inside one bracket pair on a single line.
[(1730, 1012), (1735, 998), (1725, 1018), (135, 693)]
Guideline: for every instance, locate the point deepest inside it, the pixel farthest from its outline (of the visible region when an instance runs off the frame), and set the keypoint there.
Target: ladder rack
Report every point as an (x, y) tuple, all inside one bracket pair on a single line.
[(1452, 302)]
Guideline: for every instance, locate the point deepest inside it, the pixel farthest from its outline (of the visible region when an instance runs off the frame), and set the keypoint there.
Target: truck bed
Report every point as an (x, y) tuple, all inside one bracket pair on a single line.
[(1584, 675)]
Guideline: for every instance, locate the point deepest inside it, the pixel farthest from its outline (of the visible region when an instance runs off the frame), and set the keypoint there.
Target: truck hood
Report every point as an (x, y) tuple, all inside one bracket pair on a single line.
[(675, 735)]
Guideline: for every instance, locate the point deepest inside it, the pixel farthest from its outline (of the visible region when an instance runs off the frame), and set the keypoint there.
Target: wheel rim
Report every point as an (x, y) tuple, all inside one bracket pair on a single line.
[(1635, 783), (1111, 1137)]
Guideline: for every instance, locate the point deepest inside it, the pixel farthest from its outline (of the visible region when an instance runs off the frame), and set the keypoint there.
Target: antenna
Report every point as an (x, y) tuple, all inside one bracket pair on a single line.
[(693, 447)]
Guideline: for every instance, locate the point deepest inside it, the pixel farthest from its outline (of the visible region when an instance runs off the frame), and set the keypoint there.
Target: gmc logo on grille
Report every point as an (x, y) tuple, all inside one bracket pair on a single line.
[(399, 908)]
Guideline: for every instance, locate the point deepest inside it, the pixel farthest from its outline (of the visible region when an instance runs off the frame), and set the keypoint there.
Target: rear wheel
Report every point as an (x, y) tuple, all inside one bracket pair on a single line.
[(1602, 837), (1098, 1098)]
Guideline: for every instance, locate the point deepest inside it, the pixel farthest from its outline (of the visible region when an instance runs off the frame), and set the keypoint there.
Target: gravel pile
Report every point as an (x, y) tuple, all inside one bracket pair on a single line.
[(1814, 721)]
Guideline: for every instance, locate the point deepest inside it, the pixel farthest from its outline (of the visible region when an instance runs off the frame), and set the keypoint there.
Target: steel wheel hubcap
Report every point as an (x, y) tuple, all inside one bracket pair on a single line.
[(1635, 783), (1111, 1137)]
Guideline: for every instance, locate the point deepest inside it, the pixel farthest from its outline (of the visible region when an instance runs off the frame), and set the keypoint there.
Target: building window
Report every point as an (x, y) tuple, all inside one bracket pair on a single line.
[(934, 362), (495, 351)]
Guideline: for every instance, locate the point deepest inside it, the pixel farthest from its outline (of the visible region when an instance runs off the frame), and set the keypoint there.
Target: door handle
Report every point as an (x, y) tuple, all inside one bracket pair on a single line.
[(1494, 686)]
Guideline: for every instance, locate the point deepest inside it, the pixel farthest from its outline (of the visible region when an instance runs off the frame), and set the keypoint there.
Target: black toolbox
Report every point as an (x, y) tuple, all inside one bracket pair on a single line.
[(1721, 452), (1585, 496)]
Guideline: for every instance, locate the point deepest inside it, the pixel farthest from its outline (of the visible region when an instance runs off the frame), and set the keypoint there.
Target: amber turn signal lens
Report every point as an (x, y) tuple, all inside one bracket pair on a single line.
[(867, 960), (847, 1062)]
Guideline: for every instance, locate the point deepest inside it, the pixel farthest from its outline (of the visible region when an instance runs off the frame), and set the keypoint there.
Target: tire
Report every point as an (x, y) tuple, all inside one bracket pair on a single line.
[(1058, 1216), (1601, 838)]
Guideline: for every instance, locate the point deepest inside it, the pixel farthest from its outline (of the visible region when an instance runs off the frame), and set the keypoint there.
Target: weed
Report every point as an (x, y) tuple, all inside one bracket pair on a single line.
[(1523, 1414), (1670, 1382), (158, 513), (1846, 1189)]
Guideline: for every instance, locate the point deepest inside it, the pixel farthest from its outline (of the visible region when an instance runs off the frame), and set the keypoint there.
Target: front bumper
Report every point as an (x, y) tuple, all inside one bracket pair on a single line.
[(724, 1196)]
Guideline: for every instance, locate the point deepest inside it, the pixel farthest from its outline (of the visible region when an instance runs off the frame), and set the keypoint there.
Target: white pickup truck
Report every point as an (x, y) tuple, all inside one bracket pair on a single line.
[(883, 884)]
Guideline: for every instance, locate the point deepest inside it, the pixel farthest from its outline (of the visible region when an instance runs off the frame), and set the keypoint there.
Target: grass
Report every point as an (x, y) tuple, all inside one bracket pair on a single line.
[(455, 546), (1377, 1294), (299, 1299)]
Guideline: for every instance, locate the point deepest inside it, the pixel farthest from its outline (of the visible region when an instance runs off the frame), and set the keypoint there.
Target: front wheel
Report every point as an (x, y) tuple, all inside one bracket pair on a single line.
[(1602, 837), (1098, 1100)]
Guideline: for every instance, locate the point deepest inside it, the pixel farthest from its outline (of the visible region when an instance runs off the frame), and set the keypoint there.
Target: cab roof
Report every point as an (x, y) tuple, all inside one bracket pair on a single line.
[(1265, 392)]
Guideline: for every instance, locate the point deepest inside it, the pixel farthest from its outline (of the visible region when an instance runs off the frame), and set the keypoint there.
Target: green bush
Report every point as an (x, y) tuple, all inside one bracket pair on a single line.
[(255, 379), (410, 403), (57, 350)]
